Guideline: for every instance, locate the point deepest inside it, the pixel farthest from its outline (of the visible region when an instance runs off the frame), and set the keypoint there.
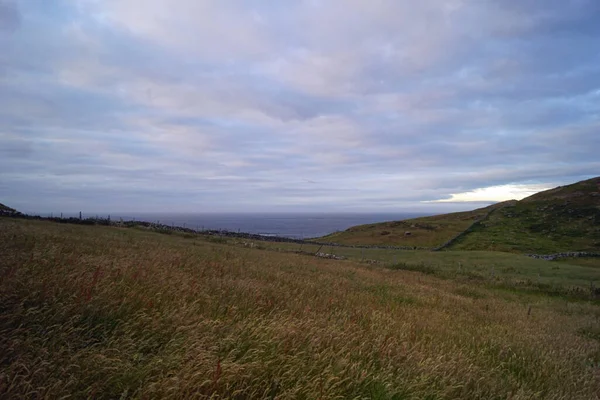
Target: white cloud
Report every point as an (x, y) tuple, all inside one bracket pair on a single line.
[(221, 30), (494, 194)]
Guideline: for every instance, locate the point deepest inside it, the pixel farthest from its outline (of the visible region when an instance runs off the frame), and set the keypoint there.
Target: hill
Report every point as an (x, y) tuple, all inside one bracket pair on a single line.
[(106, 312), (420, 232), (565, 218), (7, 211)]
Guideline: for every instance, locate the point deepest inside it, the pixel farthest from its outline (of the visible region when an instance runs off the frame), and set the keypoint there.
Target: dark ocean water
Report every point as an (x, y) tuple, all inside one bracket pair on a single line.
[(288, 225)]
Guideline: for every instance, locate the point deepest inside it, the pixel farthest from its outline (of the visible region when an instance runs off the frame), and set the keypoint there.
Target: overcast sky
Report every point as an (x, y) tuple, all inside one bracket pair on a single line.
[(339, 105)]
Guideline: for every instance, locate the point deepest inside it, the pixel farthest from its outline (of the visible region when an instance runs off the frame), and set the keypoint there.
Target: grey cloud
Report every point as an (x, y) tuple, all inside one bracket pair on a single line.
[(555, 17), (10, 17), (243, 102), (16, 148)]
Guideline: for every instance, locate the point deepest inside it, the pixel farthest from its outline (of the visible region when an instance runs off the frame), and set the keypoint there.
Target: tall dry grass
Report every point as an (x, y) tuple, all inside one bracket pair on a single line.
[(98, 312)]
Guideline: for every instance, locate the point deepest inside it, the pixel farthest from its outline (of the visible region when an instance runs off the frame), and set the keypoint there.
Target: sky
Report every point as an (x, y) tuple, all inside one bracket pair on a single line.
[(268, 106)]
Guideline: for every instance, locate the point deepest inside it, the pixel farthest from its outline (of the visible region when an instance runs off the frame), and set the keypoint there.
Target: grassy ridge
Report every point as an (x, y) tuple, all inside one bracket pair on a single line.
[(566, 218), (424, 231), (561, 219), (102, 312), (6, 209)]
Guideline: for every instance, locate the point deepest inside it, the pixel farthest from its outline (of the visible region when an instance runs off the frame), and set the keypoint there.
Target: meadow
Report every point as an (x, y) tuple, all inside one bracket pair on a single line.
[(563, 219), (106, 312), (494, 269), (422, 232), (538, 227)]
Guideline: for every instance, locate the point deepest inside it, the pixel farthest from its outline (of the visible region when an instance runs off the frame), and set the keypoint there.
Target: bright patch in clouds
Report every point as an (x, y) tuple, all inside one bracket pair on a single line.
[(494, 194)]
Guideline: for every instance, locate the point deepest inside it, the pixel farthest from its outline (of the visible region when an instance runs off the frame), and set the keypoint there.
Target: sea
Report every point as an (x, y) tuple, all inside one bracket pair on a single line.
[(291, 225)]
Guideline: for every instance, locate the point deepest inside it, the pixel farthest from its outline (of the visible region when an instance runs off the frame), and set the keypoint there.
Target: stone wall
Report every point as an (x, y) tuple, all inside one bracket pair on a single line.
[(466, 231)]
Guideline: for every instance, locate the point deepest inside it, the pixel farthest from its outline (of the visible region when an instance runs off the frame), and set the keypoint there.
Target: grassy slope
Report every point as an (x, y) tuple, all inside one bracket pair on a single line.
[(497, 269), (105, 312), (585, 262), (561, 219), (6, 208), (424, 232)]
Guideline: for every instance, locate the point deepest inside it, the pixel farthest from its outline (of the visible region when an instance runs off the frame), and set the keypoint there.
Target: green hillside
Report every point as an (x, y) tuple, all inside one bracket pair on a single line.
[(420, 232), (565, 218), (4, 208), (561, 219), (7, 211)]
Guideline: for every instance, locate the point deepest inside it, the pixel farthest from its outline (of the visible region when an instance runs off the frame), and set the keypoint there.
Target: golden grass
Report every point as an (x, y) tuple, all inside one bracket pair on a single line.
[(99, 312)]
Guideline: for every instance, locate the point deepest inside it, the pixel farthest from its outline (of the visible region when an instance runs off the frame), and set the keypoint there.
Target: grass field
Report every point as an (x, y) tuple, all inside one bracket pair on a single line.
[(423, 232), (104, 312), (543, 226), (565, 218), (585, 262), (493, 268)]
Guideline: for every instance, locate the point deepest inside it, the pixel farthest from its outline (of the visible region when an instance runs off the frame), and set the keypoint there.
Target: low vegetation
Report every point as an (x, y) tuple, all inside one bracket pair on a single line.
[(417, 232), (106, 312), (494, 269), (5, 210), (562, 219)]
